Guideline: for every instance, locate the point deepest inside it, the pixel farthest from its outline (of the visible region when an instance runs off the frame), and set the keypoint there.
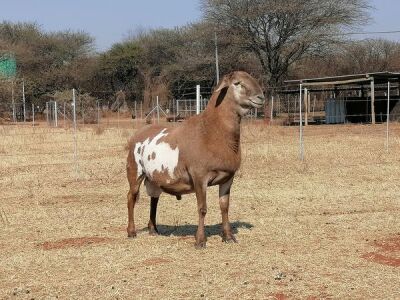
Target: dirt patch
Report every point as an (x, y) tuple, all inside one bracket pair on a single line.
[(388, 252), (73, 243), (277, 296), (389, 245), (155, 261), (116, 229)]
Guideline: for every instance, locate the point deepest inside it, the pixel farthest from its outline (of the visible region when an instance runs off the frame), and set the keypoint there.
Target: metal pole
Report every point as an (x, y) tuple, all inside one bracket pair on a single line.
[(158, 111), (216, 58), (23, 98), (373, 101), (301, 125), (135, 111), (47, 113), (306, 107), (75, 137), (173, 109), (272, 109), (98, 113), (74, 108), (118, 118), (197, 99), (388, 117), (55, 113), (33, 115), (64, 114), (13, 102)]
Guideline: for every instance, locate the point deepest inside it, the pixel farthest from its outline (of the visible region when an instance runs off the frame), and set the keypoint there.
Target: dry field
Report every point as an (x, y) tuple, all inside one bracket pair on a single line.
[(327, 228)]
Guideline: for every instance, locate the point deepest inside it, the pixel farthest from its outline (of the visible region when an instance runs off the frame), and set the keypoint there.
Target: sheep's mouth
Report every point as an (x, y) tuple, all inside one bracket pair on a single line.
[(256, 104)]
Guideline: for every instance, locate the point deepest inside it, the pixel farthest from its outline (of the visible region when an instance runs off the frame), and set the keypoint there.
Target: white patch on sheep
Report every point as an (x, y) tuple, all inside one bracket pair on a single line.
[(166, 158)]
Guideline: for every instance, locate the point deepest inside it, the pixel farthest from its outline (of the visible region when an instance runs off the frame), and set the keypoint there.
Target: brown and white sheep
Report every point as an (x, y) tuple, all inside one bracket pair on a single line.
[(202, 151)]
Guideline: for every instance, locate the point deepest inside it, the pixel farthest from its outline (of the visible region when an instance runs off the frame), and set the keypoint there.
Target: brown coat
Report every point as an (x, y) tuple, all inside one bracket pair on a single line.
[(203, 151)]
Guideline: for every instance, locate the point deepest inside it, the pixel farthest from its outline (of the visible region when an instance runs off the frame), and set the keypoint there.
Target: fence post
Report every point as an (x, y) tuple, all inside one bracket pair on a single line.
[(197, 99), (98, 113), (387, 116), (301, 125), (64, 115), (47, 113), (13, 102), (135, 111), (55, 113), (33, 115), (373, 101), (305, 107), (23, 99), (272, 110), (118, 118), (75, 137), (158, 111)]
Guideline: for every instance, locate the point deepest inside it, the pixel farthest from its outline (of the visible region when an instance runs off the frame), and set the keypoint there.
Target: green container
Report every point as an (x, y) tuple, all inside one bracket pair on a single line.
[(8, 66)]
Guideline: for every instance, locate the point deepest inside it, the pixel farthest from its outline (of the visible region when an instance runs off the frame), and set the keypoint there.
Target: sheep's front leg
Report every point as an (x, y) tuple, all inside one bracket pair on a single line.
[(200, 190), (224, 192)]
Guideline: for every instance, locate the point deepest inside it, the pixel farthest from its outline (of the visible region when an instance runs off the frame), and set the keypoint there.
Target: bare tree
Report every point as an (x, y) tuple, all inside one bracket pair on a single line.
[(371, 55), (282, 32)]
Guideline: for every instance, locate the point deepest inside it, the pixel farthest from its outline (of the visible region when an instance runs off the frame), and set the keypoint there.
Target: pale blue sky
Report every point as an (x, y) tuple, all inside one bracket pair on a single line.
[(109, 21)]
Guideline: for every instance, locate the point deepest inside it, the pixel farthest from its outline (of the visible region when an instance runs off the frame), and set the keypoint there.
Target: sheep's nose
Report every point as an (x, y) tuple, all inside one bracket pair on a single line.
[(261, 97)]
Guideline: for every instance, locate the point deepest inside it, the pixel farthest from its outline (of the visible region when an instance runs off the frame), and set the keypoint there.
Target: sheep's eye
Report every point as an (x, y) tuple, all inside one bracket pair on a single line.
[(237, 83)]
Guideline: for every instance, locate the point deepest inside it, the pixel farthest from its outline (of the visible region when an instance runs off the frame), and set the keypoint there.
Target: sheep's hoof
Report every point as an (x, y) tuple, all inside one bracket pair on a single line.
[(153, 231), (131, 234), (229, 239), (200, 245)]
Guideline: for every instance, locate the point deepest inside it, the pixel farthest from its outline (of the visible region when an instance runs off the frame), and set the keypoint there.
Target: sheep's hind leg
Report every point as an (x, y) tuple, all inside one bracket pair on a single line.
[(154, 192), (224, 192), (153, 214)]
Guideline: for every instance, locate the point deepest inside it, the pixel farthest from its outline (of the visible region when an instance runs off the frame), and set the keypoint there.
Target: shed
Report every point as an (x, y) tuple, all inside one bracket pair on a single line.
[(371, 93)]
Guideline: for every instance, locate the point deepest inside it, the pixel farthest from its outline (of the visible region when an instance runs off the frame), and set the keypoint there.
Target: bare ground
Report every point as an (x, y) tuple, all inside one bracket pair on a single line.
[(325, 228)]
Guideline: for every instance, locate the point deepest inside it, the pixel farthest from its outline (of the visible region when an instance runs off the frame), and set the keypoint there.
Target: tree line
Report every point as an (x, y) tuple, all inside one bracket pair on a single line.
[(274, 40)]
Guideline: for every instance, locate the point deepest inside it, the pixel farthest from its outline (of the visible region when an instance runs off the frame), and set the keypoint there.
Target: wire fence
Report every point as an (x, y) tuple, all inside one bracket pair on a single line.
[(68, 140)]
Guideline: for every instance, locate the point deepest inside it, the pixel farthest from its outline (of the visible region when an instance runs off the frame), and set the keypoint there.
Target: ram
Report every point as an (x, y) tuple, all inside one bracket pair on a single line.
[(202, 151)]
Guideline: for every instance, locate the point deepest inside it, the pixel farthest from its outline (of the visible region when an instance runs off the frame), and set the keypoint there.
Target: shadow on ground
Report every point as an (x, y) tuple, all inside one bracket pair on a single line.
[(190, 230)]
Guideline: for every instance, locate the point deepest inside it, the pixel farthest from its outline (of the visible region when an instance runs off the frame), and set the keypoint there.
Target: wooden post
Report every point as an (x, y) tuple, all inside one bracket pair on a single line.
[(373, 101)]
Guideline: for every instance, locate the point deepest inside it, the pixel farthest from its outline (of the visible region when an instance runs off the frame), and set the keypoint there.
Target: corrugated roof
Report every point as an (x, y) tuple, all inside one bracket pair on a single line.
[(347, 79)]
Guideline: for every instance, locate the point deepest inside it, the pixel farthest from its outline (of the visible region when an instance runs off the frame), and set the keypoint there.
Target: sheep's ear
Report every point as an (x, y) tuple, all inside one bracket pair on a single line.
[(223, 84), (222, 89)]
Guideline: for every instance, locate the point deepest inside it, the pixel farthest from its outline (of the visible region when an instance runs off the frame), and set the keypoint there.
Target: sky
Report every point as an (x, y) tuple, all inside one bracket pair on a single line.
[(110, 21)]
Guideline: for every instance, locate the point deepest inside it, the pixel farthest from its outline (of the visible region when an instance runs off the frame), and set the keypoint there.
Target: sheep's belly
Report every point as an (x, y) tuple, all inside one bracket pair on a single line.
[(219, 177), (154, 159), (178, 188)]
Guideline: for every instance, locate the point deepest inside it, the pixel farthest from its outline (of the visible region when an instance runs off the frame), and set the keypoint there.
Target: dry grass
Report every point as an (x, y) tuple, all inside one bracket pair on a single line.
[(326, 228)]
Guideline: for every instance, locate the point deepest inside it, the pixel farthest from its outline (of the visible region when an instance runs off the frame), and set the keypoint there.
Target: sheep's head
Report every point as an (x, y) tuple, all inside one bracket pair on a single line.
[(242, 90)]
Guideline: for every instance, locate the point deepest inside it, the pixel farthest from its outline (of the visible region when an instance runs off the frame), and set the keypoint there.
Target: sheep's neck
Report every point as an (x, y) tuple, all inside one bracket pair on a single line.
[(222, 125)]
